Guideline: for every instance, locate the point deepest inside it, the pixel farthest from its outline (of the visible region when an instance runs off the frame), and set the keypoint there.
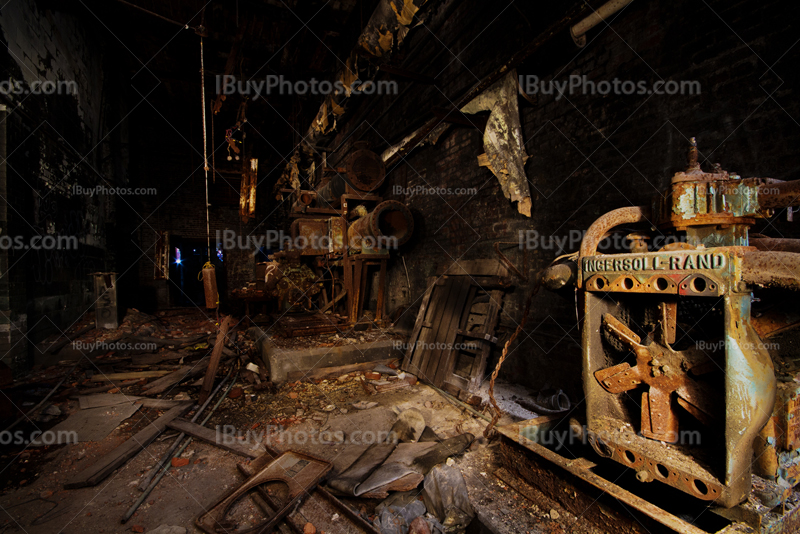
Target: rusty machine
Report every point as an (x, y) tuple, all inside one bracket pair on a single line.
[(343, 231), (682, 383)]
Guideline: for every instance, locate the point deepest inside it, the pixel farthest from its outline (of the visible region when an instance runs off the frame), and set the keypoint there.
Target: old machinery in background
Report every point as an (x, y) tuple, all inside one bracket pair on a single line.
[(678, 373), (344, 231)]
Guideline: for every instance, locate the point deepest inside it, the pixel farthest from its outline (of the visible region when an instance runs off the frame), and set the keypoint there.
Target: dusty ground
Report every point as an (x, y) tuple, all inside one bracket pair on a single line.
[(325, 418), (41, 505)]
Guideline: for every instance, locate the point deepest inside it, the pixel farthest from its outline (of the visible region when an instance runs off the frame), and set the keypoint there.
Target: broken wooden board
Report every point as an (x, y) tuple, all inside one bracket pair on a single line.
[(449, 347), (106, 465), (223, 441), (216, 355), (92, 424), (102, 400), (134, 375), (151, 359), (187, 371)]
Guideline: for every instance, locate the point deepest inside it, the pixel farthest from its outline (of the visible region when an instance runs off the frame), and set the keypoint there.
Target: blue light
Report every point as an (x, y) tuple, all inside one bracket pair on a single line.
[(178, 261)]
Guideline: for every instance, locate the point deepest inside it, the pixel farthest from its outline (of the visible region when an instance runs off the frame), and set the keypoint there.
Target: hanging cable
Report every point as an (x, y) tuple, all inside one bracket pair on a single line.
[(205, 144)]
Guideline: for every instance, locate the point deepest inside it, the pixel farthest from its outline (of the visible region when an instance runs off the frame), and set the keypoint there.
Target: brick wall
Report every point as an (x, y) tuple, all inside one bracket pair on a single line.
[(588, 153), (56, 142)]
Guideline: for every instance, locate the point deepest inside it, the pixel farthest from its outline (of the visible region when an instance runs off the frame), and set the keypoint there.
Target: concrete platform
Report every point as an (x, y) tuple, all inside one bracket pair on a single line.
[(284, 361)]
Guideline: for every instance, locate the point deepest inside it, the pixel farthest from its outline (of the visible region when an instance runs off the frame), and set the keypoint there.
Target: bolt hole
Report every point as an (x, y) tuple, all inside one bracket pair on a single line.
[(662, 284), (698, 285), (600, 283), (700, 487), (630, 457), (627, 283), (662, 471)]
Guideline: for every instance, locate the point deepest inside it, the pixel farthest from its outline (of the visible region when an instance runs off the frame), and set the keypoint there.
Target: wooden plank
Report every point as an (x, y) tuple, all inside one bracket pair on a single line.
[(159, 404), (216, 354), (187, 371), (210, 436), (441, 324), (447, 357), (440, 299), (479, 364), (150, 359), (104, 399), (133, 375), (106, 465), (324, 373), (412, 340)]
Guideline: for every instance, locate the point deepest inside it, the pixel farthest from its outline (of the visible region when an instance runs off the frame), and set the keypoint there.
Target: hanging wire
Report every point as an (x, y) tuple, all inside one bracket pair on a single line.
[(205, 144)]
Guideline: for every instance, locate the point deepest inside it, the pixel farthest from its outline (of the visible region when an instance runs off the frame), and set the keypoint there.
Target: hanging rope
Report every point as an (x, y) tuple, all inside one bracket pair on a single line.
[(205, 144), (497, 412)]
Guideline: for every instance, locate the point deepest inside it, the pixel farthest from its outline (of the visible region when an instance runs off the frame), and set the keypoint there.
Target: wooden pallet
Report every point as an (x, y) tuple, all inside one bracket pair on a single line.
[(453, 336)]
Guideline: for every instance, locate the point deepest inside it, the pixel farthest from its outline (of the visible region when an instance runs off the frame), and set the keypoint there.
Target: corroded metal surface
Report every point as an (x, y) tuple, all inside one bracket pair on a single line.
[(389, 225), (772, 269), (612, 219), (694, 295)]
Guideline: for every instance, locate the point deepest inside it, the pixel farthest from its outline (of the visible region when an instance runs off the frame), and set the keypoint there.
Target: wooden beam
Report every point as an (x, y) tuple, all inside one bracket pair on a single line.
[(210, 436), (134, 375), (216, 354), (95, 473)]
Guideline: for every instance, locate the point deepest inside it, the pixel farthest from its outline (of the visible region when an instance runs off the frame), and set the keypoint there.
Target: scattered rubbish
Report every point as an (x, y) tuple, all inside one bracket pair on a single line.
[(446, 498), (397, 512)]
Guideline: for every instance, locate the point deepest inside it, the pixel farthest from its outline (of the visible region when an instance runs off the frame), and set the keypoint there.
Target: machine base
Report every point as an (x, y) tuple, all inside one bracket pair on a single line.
[(544, 436)]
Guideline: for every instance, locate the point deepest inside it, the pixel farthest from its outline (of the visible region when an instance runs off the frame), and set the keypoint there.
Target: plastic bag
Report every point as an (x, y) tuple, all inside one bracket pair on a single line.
[(446, 498)]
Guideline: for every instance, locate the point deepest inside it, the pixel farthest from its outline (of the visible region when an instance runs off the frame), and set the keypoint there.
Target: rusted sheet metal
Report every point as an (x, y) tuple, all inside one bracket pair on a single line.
[(779, 194), (311, 235), (300, 472), (772, 269), (775, 244), (664, 371), (502, 139), (612, 219)]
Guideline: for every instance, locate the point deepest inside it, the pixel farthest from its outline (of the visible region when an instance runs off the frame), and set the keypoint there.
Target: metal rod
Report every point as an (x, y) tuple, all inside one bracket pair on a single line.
[(165, 468), (167, 455)]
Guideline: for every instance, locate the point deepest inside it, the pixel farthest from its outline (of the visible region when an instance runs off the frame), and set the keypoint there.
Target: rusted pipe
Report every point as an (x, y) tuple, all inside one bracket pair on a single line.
[(579, 30), (772, 269), (330, 194), (612, 219), (389, 225), (779, 194)]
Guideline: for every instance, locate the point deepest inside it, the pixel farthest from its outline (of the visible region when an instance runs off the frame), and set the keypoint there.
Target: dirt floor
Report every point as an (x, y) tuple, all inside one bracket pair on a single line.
[(39, 503), (333, 419)]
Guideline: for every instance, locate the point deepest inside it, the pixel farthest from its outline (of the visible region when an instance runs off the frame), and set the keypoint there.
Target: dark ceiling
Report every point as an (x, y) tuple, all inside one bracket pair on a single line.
[(159, 59)]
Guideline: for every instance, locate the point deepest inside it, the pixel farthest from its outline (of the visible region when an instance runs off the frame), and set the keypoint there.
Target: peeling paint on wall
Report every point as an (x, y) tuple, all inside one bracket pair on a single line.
[(502, 140)]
